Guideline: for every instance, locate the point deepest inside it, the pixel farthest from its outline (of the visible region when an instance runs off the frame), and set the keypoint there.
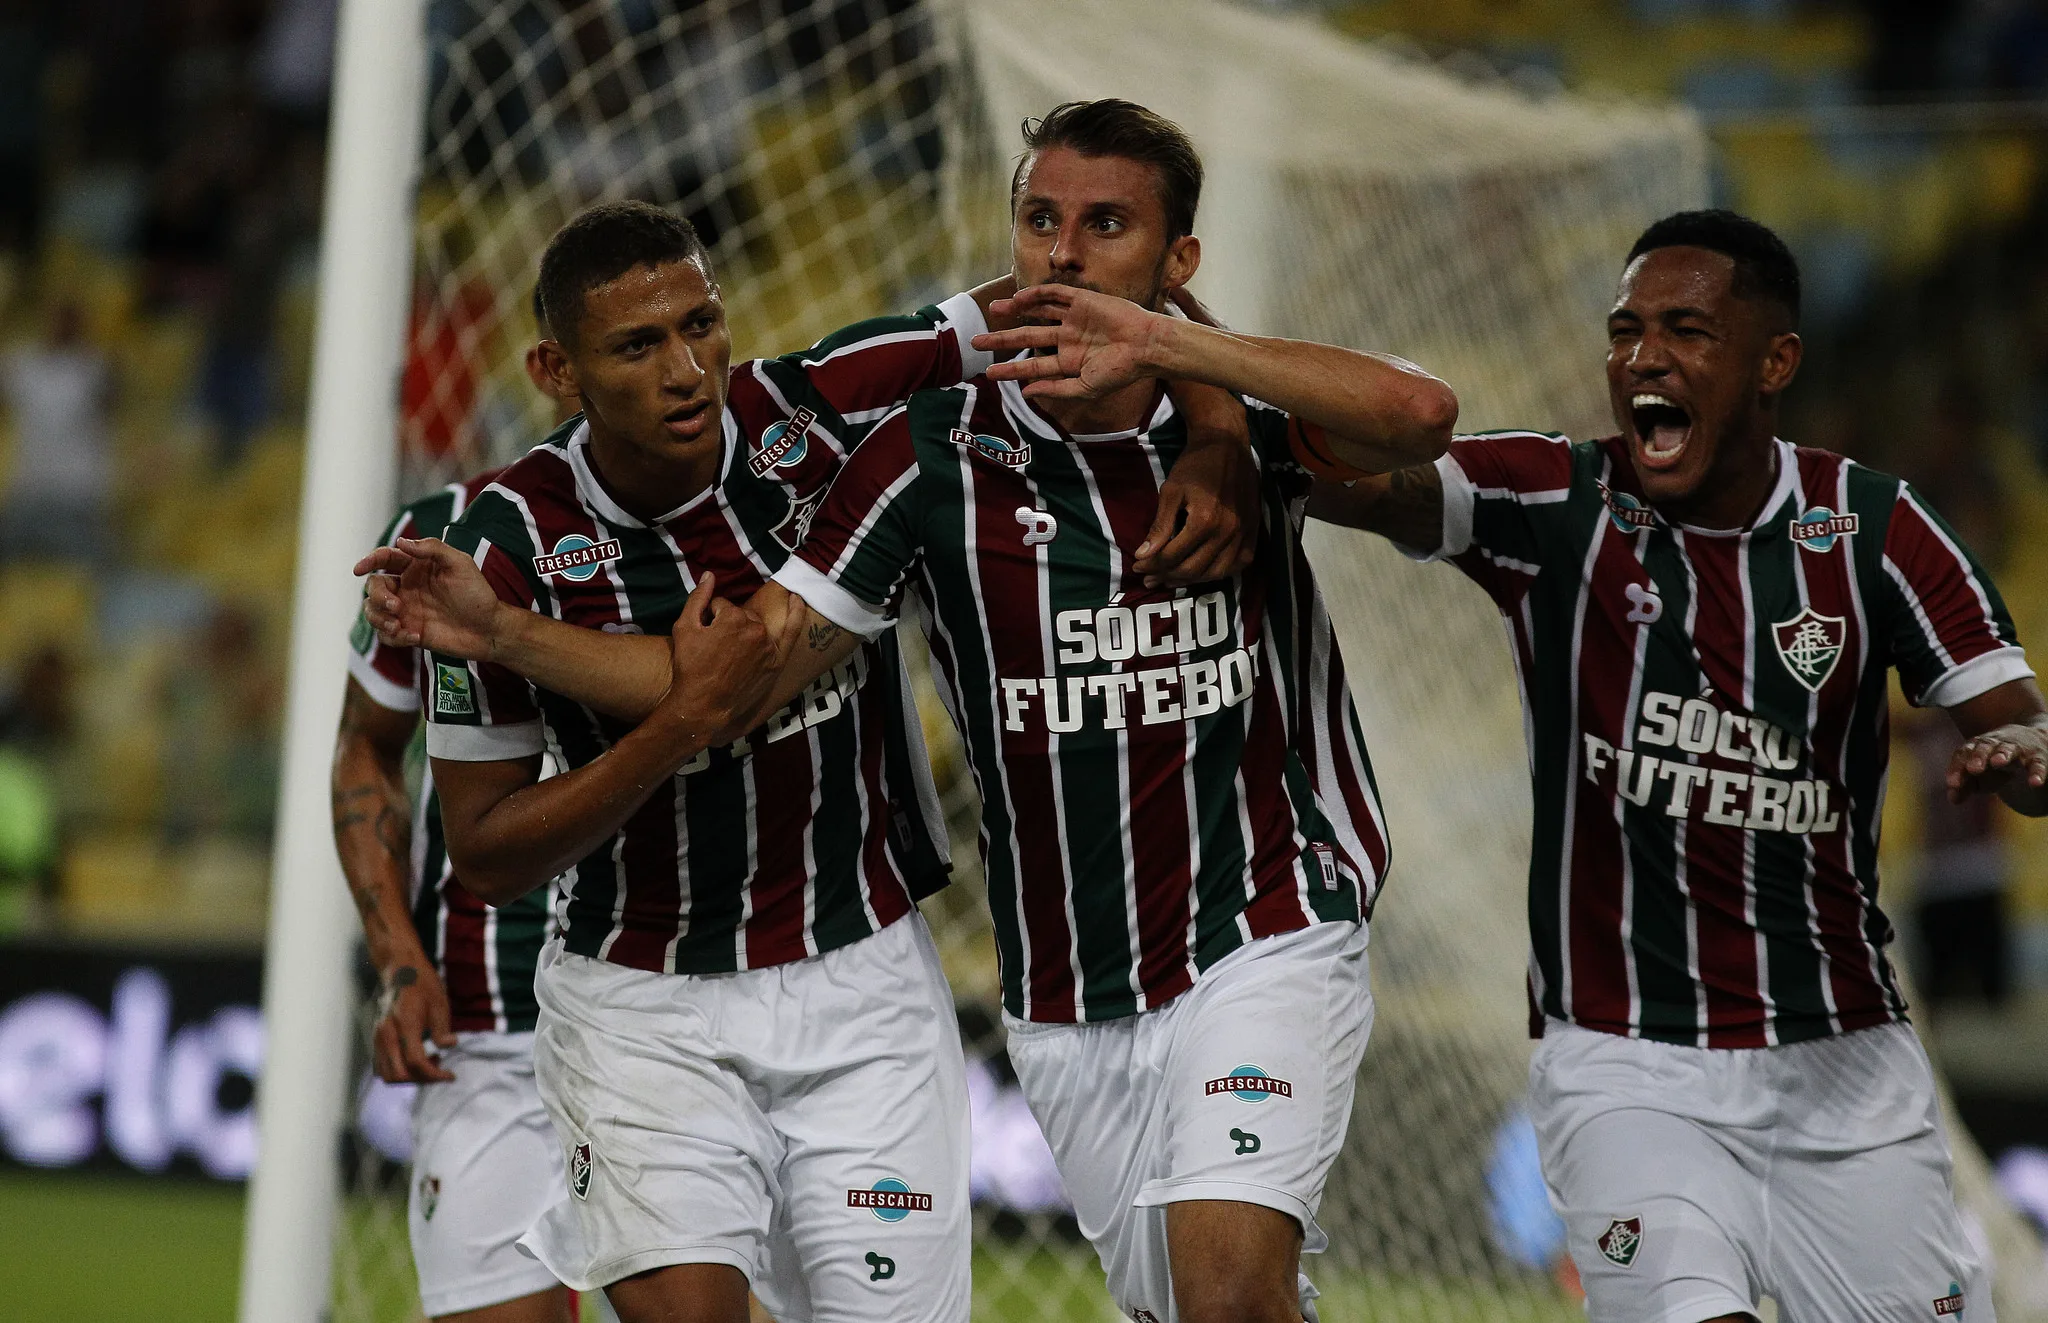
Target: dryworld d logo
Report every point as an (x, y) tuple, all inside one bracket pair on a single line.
[(1810, 644), (1817, 529), (1248, 1084), (890, 1199), (1008, 454), (1621, 1240), (576, 557)]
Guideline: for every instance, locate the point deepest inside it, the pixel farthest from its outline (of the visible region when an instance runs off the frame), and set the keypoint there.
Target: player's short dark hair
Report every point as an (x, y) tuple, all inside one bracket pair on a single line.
[(1113, 127), (1764, 267), (599, 245), (540, 314)]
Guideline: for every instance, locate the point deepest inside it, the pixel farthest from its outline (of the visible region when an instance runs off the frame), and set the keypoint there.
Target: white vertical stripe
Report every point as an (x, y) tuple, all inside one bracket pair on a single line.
[(1567, 837), (1804, 596), (1875, 962), (1750, 625), (1629, 713), (1679, 832)]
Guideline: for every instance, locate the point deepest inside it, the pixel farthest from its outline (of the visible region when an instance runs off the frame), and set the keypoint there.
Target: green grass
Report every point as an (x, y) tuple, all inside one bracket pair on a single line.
[(112, 1250)]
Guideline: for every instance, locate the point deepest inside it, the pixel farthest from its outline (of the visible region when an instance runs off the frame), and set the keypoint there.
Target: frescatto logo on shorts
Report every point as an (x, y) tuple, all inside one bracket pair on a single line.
[(1249, 1084), (890, 1199)]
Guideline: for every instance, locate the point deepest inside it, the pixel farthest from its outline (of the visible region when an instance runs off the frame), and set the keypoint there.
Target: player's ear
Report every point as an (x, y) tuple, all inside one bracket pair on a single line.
[(555, 374), (1781, 361), (1183, 258)]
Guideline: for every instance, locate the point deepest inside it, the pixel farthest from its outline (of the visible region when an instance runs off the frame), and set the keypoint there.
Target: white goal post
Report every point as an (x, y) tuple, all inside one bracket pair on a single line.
[(851, 157)]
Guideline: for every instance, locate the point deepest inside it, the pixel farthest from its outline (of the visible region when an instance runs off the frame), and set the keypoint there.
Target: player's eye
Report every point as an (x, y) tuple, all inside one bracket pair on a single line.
[(1040, 220), (1109, 225)]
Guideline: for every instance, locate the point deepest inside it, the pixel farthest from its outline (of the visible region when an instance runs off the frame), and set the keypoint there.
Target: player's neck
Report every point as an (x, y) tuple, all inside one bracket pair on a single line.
[(1734, 492), (650, 485), (1124, 410)]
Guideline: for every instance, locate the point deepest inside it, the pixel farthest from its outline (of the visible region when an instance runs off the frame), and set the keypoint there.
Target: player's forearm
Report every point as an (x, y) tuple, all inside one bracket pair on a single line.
[(1405, 506), (534, 833), (820, 645), (620, 675), (1381, 412), (372, 836)]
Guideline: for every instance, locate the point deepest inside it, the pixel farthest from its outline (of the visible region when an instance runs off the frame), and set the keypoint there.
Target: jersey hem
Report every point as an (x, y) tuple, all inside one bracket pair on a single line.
[(1158, 1193), (486, 744), (1977, 676), (691, 970), (1790, 1032), (830, 600), (382, 689)]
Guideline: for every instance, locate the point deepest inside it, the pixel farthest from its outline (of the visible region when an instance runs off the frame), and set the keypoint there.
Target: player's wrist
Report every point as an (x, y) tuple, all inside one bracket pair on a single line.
[(509, 636)]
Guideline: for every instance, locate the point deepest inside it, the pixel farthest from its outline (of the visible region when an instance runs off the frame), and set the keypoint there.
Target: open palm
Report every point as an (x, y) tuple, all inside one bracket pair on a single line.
[(1086, 344)]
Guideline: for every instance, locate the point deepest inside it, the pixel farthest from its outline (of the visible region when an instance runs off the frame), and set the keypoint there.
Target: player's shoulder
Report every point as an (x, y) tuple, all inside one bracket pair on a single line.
[(1825, 473), (1526, 460), (506, 508)]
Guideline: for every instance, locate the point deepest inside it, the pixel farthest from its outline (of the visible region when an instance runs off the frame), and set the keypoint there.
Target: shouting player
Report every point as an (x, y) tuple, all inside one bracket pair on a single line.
[(1729, 1099), (457, 979), (745, 1038)]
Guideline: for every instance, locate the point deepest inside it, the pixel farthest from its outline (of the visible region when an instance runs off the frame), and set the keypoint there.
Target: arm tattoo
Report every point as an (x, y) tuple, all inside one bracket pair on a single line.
[(822, 636)]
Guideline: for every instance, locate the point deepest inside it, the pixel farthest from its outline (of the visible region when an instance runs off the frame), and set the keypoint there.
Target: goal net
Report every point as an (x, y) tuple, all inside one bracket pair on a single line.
[(850, 157)]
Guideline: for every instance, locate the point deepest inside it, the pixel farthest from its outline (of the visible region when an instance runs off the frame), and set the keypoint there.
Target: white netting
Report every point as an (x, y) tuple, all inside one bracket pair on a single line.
[(849, 157)]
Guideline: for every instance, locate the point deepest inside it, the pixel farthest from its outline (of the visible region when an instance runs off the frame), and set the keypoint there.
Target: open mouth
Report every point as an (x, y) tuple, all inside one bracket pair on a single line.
[(1662, 427), (686, 418)]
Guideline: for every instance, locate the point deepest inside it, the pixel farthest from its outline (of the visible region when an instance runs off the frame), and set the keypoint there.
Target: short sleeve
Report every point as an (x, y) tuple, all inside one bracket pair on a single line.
[(1949, 632), (479, 711), (1493, 486), (390, 676), (863, 540), (865, 370)]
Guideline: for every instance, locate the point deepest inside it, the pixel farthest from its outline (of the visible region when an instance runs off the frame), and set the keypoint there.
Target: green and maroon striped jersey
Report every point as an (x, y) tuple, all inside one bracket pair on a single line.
[(486, 957), (1164, 775), (818, 828), (1708, 728)]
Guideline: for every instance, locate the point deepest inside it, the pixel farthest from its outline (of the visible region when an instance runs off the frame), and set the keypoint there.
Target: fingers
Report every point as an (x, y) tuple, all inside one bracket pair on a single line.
[(382, 607), (701, 604), (440, 1020), (1172, 500), (384, 560), (1062, 388), (413, 1059), (1043, 300), (1017, 338)]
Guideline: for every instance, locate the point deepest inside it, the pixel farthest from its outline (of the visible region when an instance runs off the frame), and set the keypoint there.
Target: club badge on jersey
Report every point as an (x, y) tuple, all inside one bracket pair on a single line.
[(1810, 644)]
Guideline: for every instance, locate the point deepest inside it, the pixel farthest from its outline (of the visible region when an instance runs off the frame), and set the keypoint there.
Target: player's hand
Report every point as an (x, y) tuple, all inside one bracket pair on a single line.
[(1087, 344), (1207, 525), (423, 593), (415, 1012), (723, 663), (2000, 758)]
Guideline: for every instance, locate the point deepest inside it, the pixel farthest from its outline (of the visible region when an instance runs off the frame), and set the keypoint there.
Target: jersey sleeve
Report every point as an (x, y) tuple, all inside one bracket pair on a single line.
[(1493, 485), (1950, 634), (478, 711), (863, 371), (863, 540), (390, 676)]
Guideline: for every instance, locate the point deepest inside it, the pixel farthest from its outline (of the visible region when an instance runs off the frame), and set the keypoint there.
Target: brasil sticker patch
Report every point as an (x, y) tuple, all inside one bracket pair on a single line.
[(1818, 528), (1248, 1084), (1810, 644), (1621, 1240), (783, 445), (1010, 456), (576, 557), (453, 695), (890, 1199)]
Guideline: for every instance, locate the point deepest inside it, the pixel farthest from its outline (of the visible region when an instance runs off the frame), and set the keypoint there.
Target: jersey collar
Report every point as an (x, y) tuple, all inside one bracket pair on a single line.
[(1782, 491), (1026, 417), (593, 491)]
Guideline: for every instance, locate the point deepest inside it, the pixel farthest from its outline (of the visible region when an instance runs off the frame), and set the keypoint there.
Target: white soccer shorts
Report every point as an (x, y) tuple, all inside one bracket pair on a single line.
[(805, 1123), (1694, 1181), (485, 1164), (1238, 1089)]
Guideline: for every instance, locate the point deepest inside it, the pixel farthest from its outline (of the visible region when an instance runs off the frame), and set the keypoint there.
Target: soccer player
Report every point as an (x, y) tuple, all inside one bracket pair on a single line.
[(457, 977), (1729, 1098), (746, 1041)]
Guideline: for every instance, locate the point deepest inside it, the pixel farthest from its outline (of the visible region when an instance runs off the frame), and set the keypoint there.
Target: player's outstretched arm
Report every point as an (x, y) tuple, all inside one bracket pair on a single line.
[(508, 831), (2005, 748), (1406, 506), (372, 834), (1381, 412), (424, 593)]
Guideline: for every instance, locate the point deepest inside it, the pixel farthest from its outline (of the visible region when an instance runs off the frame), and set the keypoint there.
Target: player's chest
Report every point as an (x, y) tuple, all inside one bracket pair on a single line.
[(635, 580)]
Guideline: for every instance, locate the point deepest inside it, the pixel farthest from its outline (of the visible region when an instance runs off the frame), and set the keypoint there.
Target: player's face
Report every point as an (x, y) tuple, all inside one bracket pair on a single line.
[(1097, 222), (1692, 370), (649, 360)]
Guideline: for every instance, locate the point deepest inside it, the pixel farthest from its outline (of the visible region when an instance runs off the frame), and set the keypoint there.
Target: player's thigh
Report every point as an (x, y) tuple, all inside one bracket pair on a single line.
[(668, 1158), (1873, 1236), (874, 1224), (553, 1305), (1233, 1262), (485, 1166), (1663, 1222), (682, 1293), (1094, 1090)]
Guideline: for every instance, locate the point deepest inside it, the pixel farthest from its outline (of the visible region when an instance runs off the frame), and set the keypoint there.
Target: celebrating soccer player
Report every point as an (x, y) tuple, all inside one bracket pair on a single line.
[(1729, 1100), (745, 1039)]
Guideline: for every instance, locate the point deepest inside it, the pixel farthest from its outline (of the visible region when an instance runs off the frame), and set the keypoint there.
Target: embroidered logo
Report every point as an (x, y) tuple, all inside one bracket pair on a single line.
[(1952, 1303), (1817, 529), (1039, 526), (783, 445), (1629, 514), (1621, 1240), (1011, 455), (453, 695), (1249, 1084), (1810, 644), (890, 1199), (579, 1170), (796, 521), (576, 557), (1644, 606)]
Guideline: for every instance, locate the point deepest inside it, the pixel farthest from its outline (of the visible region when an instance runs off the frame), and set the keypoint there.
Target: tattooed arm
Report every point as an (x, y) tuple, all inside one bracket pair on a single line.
[(372, 834), (1406, 506)]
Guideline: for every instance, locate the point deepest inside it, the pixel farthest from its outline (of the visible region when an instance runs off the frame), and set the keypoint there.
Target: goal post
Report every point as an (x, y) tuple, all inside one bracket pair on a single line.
[(365, 252)]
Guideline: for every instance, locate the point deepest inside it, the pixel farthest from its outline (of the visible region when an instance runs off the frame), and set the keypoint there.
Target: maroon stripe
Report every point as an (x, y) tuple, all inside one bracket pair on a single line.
[(1722, 637), (1275, 906), (463, 971), (887, 893), (1161, 864), (875, 376), (1359, 804), (886, 455), (784, 774), (1607, 659)]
